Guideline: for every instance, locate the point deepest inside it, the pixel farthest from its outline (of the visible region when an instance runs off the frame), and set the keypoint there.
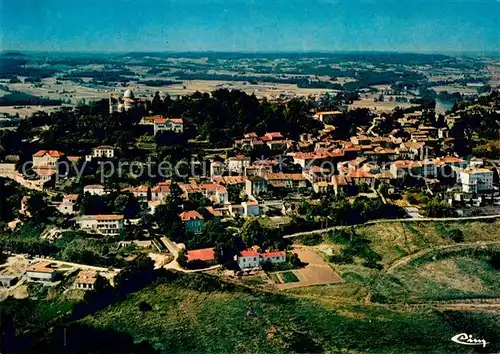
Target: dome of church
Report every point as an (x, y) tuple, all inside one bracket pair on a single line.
[(128, 94)]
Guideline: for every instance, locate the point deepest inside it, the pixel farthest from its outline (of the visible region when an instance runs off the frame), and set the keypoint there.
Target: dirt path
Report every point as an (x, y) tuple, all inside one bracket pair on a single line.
[(383, 221), (401, 262)]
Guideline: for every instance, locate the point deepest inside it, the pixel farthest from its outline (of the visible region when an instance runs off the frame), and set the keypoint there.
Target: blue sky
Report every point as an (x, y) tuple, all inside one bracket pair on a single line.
[(250, 25)]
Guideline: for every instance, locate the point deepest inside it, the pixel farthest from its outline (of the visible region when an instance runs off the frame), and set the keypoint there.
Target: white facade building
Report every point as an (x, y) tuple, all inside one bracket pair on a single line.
[(41, 271), (175, 125), (94, 189), (102, 224), (238, 163), (104, 151), (251, 208), (476, 180), (249, 259)]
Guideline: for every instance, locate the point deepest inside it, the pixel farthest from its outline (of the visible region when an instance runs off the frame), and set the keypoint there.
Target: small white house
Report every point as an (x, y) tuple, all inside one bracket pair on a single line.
[(68, 204), (94, 189), (249, 259), (104, 151), (86, 280), (238, 163)]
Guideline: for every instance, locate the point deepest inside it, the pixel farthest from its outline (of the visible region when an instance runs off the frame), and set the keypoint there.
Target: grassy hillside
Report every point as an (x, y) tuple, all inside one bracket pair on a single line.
[(395, 240), (454, 277), (186, 320), (370, 311), (439, 264)]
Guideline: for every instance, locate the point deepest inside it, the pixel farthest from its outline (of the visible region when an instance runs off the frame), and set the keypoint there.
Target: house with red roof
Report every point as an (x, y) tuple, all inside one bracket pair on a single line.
[(204, 255), (161, 191), (162, 124), (192, 220), (253, 259), (46, 158), (249, 259)]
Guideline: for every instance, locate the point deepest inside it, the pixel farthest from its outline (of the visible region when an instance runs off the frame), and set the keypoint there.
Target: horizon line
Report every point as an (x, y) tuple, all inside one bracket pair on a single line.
[(298, 51)]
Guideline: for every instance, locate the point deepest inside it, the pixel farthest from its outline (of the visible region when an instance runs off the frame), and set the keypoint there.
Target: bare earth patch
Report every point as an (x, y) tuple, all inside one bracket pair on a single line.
[(317, 271)]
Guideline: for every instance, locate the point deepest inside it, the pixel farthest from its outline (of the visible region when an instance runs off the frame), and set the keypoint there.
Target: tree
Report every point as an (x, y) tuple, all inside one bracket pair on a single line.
[(252, 232), (182, 258), (37, 207), (438, 209), (137, 275), (157, 104)]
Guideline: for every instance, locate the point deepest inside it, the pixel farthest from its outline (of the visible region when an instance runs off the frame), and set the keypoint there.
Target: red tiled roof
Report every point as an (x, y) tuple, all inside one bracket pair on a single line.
[(94, 186), (52, 153), (74, 158), (272, 254), (204, 254), (189, 215), (249, 253), (41, 267), (274, 135), (86, 277), (109, 217)]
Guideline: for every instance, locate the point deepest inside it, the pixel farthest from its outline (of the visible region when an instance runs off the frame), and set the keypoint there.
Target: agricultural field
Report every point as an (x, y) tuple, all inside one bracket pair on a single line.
[(316, 272)]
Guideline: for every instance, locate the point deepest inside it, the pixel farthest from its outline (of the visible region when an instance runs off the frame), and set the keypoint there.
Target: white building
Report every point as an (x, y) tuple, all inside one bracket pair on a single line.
[(87, 280), (476, 180), (94, 189), (251, 259), (68, 204), (321, 116), (161, 191), (238, 163), (102, 224), (273, 257), (215, 192), (124, 103), (175, 125), (41, 271), (46, 158), (104, 151)]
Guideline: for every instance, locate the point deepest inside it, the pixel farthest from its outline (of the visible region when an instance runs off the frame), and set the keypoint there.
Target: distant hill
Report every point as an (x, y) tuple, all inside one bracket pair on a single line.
[(14, 54)]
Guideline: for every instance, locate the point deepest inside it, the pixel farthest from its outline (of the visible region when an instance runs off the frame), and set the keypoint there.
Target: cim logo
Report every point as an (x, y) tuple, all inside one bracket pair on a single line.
[(468, 339)]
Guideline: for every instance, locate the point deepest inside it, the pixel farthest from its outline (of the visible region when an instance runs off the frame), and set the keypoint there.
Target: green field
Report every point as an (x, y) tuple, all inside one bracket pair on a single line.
[(289, 277)]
